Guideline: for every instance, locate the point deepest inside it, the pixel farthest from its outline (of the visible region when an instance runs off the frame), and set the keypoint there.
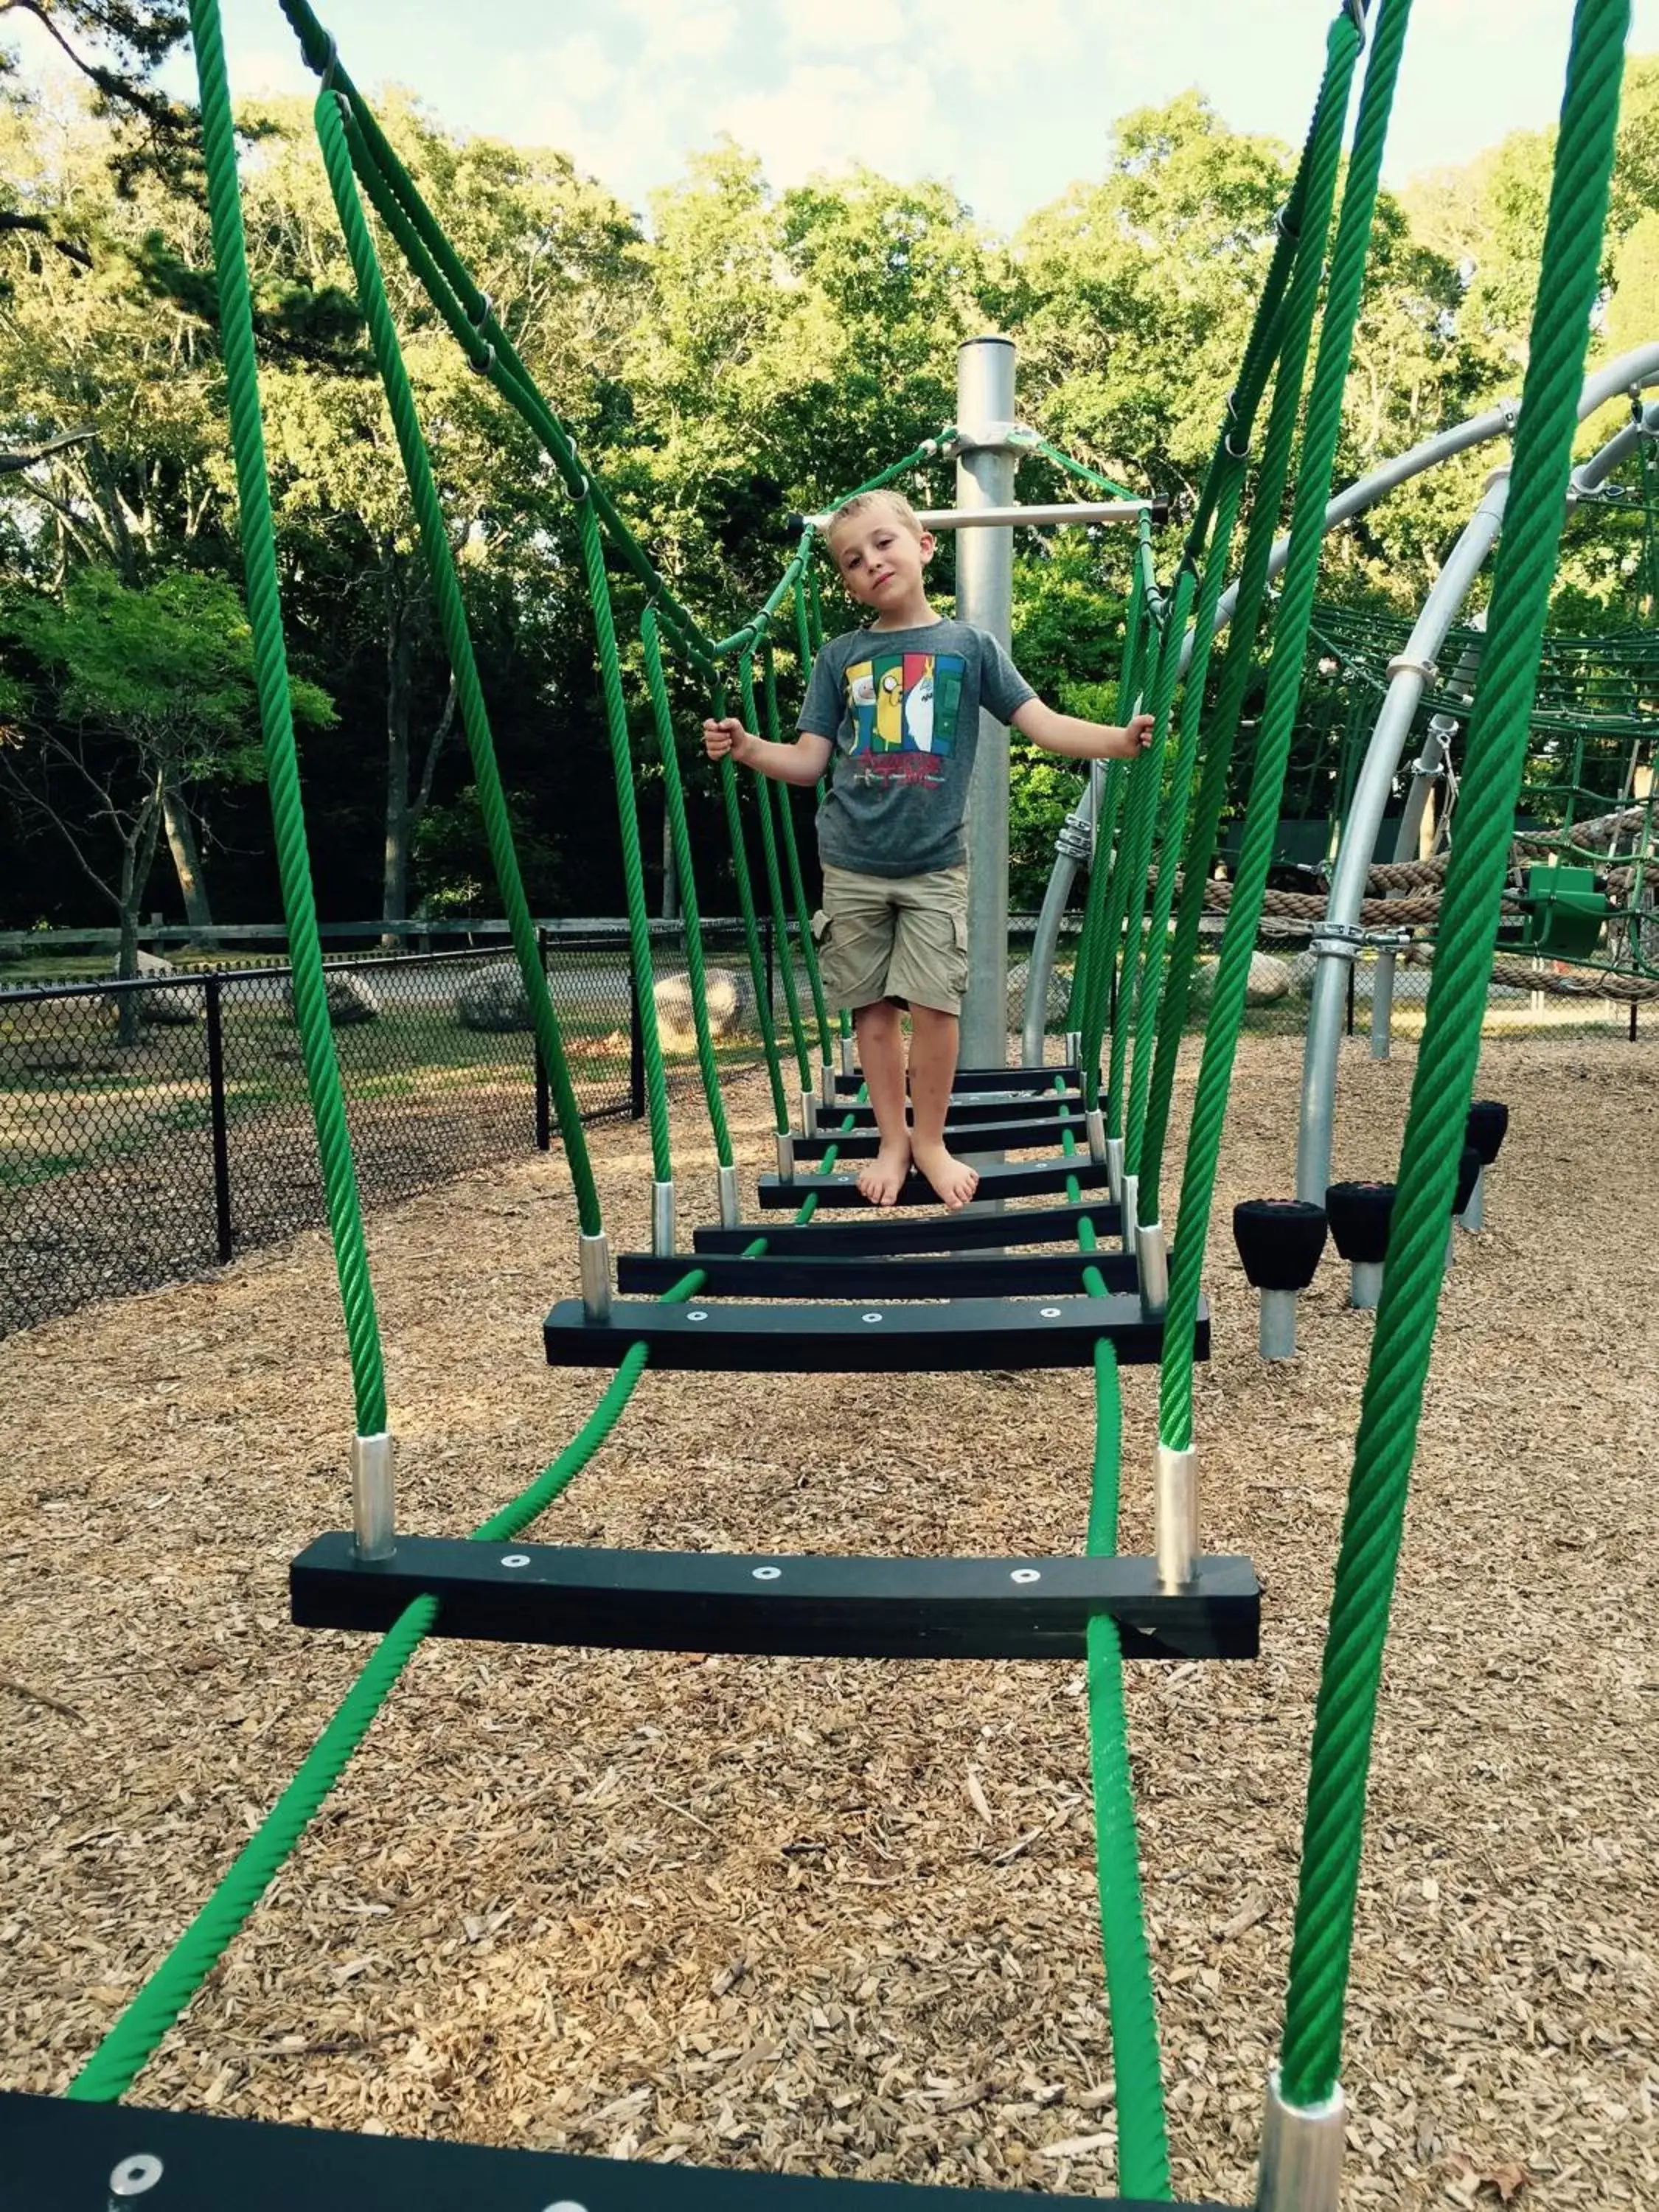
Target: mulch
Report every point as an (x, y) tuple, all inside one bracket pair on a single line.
[(840, 1918)]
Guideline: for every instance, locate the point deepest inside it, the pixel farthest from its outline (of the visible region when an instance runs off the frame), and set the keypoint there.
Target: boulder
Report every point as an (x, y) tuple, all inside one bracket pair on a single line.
[(169, 1008), (494, 999), (1270, 979), (729, 1000), (349, 999)]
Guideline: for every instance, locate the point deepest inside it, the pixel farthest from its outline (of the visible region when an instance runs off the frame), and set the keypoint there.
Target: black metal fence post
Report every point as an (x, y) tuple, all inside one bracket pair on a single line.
[(215, 1056), (635, 1049), (1632, 1021), (544, 1098), (1353, 993)]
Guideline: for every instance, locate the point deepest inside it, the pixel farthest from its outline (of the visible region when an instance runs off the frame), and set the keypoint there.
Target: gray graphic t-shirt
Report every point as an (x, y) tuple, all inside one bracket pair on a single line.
[(902, 707)]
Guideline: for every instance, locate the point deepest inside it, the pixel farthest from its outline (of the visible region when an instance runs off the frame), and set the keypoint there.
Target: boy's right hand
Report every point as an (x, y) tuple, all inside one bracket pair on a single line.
[(726, 736)]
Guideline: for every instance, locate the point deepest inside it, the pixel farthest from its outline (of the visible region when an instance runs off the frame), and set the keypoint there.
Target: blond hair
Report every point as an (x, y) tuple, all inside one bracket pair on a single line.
[(865, 502)]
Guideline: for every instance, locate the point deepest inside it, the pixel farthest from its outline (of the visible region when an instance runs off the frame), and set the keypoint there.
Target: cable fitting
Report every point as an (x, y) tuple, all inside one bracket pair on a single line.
[(331, 64), (478, 321), (482, 368), (1403, 664)]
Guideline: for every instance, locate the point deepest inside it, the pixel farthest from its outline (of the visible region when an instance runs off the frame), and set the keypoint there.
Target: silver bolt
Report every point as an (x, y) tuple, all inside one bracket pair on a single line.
[(872, 1316), (567, 2204), (135, 2175), (1051, 1313), (1026, 1575), (515, 1559), (697, 1314), (767, 1574)]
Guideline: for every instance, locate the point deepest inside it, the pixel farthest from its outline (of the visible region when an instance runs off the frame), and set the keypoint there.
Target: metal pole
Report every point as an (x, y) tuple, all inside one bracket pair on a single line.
[(215, 1052), (985, 572), (1336, 940), (544, 1092)]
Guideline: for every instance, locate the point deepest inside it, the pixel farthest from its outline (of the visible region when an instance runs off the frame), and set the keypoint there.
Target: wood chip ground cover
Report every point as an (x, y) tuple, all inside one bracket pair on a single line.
[(834, 1917)]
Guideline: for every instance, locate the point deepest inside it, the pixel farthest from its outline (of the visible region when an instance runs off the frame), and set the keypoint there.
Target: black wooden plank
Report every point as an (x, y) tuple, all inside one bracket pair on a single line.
[(991, 1136), (879, 1229), (60, 2157), (786, 1606), (1019, 1178), (802, 1275), (1048, 1106), (987, 1078), (966, 1334)]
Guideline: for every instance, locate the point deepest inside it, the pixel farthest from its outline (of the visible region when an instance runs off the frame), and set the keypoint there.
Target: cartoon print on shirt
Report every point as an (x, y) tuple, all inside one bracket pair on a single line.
[(901, 706)]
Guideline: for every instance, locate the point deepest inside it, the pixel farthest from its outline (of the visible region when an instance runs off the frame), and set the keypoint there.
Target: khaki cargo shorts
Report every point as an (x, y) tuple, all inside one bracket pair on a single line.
[(894, 937)]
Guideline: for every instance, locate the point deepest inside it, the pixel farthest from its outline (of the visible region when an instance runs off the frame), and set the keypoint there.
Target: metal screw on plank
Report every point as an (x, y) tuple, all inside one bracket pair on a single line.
[(767, 1574), (134, 2176), (515, 1560), (1026, 1575)]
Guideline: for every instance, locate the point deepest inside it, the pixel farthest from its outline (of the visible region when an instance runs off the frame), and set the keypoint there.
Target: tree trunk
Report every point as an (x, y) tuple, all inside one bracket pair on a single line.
[(187, 861), (138, 857), (394, 899)]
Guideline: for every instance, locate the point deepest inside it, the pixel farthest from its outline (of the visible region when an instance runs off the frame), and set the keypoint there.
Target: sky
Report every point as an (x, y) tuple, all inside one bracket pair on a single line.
[(1008, 100)]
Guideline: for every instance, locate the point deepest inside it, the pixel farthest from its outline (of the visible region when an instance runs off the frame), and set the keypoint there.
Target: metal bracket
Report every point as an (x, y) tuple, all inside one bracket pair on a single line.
[(989, 438), (1429, 772), (1336, 940), (1074, 840), (593, 1258), (372, 1516), (1403, 664)]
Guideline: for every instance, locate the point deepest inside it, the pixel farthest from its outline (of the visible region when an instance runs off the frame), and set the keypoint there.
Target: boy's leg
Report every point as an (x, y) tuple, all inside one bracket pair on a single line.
[(930, 968), (855, 934), (881, 1056), (935, 1038)]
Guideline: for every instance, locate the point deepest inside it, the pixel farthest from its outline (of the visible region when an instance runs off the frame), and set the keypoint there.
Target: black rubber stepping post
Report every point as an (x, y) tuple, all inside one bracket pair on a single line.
[(1359, 1214), (1280, 1240)]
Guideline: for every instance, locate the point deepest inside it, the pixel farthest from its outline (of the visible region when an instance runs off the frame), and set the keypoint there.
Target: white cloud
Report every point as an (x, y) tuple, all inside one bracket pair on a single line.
[(831, 116), (577, 70)]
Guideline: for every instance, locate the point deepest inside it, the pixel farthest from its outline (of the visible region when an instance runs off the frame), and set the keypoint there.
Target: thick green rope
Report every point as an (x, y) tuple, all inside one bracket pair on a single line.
[(1496, 752), (774, 734), (1137, 842), (1320, 163), (1137, 775), (1095, 944), (332, 131), (728, 783), (277, 724), (130, 2043), (628, 817), (1324, 422), (678, 829), (1149, 985), (765, 796)]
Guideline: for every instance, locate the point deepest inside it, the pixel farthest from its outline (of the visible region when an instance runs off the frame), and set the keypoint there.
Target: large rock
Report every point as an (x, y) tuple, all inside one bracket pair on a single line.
[(726, 993), (349, 999), (1270, 979), (494, 999), (1060, 992), (176, 1009)]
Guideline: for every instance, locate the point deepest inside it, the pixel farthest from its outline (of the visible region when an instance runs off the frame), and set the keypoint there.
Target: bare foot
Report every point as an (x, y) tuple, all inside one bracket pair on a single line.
[(953, 1180), (882, 1180)]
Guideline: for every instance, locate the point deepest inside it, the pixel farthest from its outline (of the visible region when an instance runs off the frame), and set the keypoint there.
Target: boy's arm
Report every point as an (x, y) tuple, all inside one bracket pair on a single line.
[(1073, 739), (802, 761)]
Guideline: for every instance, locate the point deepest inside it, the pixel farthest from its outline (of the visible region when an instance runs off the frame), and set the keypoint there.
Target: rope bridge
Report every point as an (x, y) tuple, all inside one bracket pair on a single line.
[(941, 1292)]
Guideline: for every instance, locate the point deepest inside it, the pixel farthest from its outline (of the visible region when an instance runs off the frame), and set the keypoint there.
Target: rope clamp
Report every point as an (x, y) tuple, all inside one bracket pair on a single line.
[(1430, 771), (478, 321), (1403, 664), (1355, 12), (482, 368), (1337, 940), (331, 64), (1233, 453)]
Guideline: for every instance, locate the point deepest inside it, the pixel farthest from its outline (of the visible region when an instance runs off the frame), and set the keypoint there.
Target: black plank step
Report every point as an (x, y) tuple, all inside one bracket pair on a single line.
[(990, 1136), (880, 1230), (968, 1333), (1048, 1106), (815, 1275), (1021, 1178), (819, 1606), (1028, 1079), (60, 2157)]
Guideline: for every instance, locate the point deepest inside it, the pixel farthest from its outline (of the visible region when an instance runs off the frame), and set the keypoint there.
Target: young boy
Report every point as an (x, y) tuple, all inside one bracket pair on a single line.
[(897, 706)]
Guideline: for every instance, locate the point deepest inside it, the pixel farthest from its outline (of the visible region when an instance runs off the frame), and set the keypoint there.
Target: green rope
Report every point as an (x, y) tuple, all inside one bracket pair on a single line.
[(728, 782), (792, 857), (130, 2043), (1149, 985), (1108, 911), (332, 132), (1137, 853), (679, 832), (277, 724), (1080, 468), (1094, 943), (765, 796), (1324, 422), (1496, 753), (1319, 161), (628, 816)]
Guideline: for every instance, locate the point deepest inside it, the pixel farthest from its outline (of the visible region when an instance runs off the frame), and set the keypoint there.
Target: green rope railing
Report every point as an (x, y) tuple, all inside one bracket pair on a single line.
[(277, 724), (1494, 759), (334, 132), (1320, 162), (766, 797), (1344, 288), (1103, 912), (679, 832), (728, 783), (808, 951)]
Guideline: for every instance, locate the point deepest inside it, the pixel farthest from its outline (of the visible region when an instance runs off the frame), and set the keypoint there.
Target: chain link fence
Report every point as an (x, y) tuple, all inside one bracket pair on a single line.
[(151, 1130)]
